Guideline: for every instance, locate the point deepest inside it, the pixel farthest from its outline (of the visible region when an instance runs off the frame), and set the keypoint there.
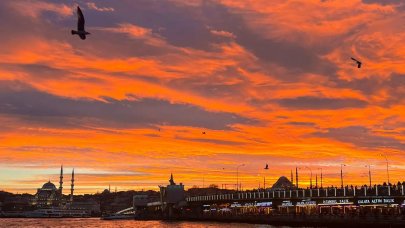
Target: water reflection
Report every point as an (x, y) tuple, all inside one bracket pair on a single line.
[(95, 222)]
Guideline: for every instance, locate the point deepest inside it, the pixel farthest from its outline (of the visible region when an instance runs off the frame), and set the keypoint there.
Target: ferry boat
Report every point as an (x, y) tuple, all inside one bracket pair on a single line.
[(56, 213)]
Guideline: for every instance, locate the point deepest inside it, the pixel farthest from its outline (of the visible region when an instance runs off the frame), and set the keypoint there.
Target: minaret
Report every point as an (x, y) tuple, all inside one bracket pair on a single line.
[(296, 176), (61, 180), (72, 185)]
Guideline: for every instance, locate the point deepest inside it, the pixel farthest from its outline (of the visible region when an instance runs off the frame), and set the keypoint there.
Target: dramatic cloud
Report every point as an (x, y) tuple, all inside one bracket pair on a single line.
[(223, 33), (321, 103), (35, 8), (361, 137), (266, 80), (93, 6), (18, 99), (382, 2)]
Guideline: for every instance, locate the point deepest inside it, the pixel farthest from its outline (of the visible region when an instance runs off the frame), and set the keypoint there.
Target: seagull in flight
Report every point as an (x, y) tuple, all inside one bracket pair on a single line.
[(267, 166), (357, 61), (80, 25)]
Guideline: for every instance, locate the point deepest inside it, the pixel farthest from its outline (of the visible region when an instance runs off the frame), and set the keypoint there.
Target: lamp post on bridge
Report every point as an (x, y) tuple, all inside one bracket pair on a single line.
[(237, 176), (321, 176), (341, 174), (388, 174), (264, 177), (310, 179), (369, 174)]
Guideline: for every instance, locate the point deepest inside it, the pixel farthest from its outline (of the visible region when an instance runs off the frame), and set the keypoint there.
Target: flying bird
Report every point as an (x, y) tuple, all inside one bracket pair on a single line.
[(203, 132), (267, 166), (80, 25), (357, 61)]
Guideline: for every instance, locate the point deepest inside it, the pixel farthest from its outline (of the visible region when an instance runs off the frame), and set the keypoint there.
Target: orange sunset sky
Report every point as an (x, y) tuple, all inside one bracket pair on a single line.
[(269, 81)]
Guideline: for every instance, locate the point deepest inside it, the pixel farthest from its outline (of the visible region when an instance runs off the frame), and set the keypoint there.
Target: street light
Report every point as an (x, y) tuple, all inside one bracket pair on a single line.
[(341, 174), (388, 174), (237, 176), (369, 174), (310, 180), (321, 176), (264, 181), (264, 177)]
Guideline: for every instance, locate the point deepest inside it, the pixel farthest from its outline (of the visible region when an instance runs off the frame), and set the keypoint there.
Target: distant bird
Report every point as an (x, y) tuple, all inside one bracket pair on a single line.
[(80, 25), (203, 132), (267, 166), (357, 61)]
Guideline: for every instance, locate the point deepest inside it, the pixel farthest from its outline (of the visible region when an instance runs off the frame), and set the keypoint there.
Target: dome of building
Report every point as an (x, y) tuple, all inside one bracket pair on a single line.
[(49, 186), (282, 183)]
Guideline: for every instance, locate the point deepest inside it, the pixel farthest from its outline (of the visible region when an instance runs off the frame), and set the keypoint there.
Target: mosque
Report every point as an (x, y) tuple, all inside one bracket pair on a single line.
[(50, 196)]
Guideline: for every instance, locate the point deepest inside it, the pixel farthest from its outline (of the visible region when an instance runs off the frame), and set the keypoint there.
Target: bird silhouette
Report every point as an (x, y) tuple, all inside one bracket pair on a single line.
[(357, 61), (203, 132), (267, 166), (80, 25)]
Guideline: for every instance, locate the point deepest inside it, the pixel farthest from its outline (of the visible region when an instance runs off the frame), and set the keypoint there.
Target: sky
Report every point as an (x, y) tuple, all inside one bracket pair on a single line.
[(268, 81)]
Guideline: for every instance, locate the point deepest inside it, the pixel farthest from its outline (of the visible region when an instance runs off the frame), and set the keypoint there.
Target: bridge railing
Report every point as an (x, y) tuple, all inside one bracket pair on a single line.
[(347, 191)]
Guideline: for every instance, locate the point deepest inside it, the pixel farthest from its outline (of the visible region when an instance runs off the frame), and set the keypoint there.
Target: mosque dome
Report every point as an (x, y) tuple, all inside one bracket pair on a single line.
[(282, 183), (49, 186)]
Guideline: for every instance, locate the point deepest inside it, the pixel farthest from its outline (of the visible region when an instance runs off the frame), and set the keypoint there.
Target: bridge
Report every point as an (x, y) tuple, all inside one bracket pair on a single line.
[(359, 206), (378, 195), (319, 196)]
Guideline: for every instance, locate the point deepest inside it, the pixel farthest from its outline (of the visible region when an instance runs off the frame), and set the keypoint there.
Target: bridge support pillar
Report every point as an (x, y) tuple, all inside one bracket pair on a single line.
[(303, 192), (335, 191), (326, 192), (365, 191), (318, 192), (402, 186), (389, 190), (376, 190)]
